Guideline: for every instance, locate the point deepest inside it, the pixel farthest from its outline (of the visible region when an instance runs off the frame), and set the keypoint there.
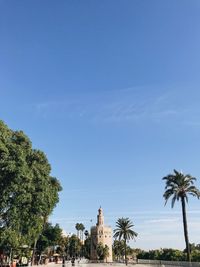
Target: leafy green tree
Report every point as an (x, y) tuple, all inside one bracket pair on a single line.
[(195, 255), (143, 255), (28, 193), (179, 186), (131, 252), (50, 236), (67, 248), (192, 247), (118, 249), (75, 246), (62, 245), (154, 254), (197, 247), (106, 252), (169, 254), (100, 251), (87, 247), (166, 254), (124, 231)]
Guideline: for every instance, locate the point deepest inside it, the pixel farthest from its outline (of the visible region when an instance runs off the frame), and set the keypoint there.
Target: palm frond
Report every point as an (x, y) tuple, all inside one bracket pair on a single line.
[(178, 185), (124, 229)]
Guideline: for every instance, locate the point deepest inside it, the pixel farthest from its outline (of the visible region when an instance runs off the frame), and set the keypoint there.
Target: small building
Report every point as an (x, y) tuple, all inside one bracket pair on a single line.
[(101, 234)]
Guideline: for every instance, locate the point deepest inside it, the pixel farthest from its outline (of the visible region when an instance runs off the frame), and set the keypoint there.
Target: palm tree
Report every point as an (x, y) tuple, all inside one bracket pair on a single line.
[(86, 233), (78, 228), (179, 186), (124, 231), (82, 228)]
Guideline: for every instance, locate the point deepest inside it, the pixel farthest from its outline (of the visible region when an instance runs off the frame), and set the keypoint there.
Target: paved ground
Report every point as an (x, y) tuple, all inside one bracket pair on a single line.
[(84, 263)]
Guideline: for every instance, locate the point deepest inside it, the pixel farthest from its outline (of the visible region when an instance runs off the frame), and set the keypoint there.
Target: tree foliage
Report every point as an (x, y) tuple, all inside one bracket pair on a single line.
[(166, 254), (118, 249), (87, 246), (74, 246), (80, 228), (50, 236), (28, 193), (102, 251), (169, 254)]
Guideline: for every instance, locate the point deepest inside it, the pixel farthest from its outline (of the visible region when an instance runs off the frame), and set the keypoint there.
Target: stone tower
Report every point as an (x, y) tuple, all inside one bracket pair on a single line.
[(101, 234)]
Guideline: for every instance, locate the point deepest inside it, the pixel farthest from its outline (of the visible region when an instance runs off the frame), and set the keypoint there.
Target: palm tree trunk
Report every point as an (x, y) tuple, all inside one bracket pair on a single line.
[(125, 251), (185, 228)]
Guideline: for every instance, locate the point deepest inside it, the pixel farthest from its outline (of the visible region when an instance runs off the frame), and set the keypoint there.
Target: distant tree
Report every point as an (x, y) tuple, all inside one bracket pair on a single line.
[(195, 255), (106, 252), (179, 186), (82, 228), (100, 251), (66, 246), (131, 252), (50, 236), (77, 226), (75, 246), (62, 245), (154, 254), (166, 254), (86, 233), (197, 247), (87, 247), (118, 249), (124, 231), (143, 255)]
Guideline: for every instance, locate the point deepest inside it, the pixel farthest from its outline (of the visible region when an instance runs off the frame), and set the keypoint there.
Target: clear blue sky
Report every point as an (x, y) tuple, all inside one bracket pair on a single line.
[(109, 90)]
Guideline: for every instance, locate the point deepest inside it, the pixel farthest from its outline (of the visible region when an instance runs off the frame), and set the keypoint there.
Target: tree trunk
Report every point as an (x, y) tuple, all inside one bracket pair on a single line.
[(33, 254), (125, 251), (185, 229), (10, 256)]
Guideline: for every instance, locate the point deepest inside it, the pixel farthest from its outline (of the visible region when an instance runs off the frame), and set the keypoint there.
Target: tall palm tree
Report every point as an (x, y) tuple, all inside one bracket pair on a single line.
[(179, 186), (78, 228), (82, 228), (124, 231)]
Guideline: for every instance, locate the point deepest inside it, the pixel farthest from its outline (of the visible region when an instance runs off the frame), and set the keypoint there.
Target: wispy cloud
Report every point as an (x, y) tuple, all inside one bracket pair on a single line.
[(132, 104), (163, 220)]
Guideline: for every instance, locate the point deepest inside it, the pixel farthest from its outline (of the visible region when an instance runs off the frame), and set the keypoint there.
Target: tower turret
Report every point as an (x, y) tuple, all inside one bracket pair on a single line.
[(100, 217)]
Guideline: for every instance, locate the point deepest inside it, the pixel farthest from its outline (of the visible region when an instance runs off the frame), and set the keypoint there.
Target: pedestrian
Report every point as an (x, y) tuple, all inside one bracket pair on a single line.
[(63, 261)]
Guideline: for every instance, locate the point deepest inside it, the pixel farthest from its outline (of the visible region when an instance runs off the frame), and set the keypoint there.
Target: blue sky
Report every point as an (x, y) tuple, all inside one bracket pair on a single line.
[(109, 90)]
